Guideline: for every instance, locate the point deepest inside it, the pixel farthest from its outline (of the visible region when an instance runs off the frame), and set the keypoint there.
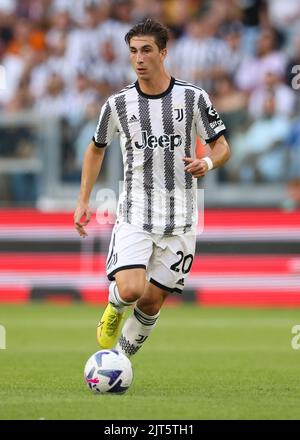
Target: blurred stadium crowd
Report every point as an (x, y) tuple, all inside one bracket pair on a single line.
[(64, 57)]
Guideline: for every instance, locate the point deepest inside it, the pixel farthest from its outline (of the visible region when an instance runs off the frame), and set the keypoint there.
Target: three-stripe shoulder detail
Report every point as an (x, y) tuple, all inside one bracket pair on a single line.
[(186, 84)]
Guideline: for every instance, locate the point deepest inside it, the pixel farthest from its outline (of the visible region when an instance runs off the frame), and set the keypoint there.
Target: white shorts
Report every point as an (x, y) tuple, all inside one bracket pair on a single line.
[(167, 259)]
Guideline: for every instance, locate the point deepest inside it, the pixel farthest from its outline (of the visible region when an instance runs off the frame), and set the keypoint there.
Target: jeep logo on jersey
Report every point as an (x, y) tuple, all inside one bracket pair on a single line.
[(170, 141)]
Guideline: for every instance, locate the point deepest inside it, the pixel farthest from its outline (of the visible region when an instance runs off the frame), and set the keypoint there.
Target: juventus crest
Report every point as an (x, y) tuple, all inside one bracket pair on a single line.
[(179, 114)]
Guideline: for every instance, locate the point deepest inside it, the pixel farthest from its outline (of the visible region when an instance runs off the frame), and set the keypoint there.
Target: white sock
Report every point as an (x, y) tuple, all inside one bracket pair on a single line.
[(135, 331), (116, 301)]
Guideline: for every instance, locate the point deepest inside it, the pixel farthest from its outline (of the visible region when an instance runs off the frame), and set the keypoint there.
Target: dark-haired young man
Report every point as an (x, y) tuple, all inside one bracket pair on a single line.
[(153, 240)]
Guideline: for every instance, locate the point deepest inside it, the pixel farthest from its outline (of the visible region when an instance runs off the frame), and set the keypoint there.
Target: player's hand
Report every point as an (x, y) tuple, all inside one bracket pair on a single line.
[(82, 210), (197, 167)]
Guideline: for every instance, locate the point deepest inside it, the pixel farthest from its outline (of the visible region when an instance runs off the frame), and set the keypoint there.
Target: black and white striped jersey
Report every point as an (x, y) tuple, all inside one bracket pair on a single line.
[(156, 132)]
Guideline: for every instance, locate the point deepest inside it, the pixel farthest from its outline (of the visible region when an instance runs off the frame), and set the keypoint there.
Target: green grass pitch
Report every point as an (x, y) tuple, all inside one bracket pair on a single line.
[(199, 363)]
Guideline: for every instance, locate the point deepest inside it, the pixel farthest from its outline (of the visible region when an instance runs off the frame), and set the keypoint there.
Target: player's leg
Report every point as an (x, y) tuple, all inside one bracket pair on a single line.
[(167, 270), (123, 292), (140, 324), (129, 252)]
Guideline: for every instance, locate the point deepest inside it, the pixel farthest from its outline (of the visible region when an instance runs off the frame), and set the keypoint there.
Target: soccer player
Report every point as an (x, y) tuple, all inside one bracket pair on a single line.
[(153, 240)]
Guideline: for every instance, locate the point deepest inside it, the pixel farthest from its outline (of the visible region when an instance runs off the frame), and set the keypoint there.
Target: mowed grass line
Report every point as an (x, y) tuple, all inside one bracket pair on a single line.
[(198, 364)]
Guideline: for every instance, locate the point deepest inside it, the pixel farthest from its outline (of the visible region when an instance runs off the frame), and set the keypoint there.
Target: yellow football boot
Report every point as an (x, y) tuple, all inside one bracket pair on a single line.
[(108, 327)]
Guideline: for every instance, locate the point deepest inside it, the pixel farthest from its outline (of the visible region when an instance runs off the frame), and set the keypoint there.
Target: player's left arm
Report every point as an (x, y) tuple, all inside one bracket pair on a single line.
[(220, 154)]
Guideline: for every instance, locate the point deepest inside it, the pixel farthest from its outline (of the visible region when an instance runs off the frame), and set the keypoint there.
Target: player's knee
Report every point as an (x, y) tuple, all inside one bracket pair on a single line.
[(130, 291)]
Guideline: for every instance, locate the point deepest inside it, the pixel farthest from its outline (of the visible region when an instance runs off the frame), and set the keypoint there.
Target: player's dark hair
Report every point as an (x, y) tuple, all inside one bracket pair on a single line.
[(150, 27)]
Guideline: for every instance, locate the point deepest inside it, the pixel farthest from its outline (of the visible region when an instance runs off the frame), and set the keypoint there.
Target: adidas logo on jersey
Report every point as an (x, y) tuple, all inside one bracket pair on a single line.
[(170, 141), (133, 119)]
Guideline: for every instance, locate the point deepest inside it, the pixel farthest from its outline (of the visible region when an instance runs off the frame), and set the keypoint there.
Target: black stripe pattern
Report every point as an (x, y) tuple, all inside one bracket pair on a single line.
[(128, 348), (189, 97), (109, 260), (202, 105), (145, 121), (102, 128), (120, 102), (149, 320), (169, 165)]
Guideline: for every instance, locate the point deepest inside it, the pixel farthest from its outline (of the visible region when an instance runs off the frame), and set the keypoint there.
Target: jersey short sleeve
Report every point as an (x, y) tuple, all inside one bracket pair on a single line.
[(208, 122), (106, 128)]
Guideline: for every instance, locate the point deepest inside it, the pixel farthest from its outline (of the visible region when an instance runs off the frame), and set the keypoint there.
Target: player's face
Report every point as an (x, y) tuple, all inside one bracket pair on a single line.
[(145, 56)]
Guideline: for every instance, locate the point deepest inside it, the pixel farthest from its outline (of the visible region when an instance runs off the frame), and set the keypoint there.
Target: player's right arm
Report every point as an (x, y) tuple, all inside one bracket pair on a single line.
[(92, 163), (91, 167)]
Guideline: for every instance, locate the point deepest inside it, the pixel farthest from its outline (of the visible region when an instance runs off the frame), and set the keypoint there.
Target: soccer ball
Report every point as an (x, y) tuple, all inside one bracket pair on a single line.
[(108, 371)]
